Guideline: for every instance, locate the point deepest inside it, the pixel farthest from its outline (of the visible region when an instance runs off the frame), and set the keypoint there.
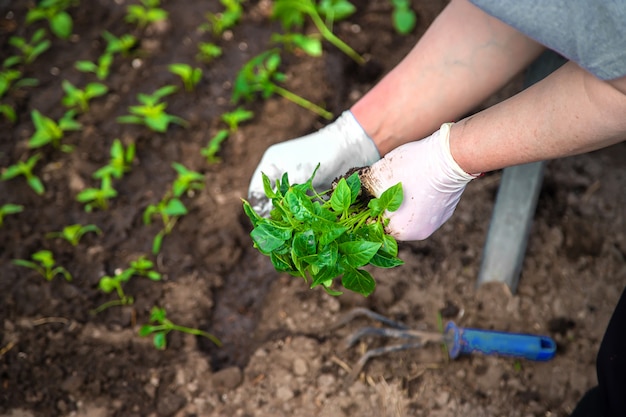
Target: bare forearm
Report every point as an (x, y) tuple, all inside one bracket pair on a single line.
[(568, 113), (463, 58)]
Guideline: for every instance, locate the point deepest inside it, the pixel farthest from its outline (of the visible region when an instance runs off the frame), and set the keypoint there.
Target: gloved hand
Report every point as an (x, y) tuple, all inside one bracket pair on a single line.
[(337, 147), (432, 183)]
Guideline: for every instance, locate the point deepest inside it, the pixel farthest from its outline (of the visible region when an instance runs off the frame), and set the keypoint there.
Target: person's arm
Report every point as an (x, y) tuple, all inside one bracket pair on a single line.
[(569, 112), (464, 57)]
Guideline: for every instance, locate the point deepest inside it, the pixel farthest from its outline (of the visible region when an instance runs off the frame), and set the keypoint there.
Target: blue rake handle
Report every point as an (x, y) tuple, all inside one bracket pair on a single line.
[(460, 340)]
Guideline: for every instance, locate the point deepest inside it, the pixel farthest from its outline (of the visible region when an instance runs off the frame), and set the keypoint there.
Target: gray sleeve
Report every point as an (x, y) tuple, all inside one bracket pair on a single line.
[(590, 33)]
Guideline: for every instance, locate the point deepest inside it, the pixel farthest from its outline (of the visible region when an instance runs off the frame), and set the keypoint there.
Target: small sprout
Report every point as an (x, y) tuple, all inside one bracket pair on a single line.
[(43, 262), (97, 197), (335, 10), (310, 44), (8, 112), (122, 45), (163, 326), (218, 23), (190, 76), (47, 131), (141, 267), (186, 180), (12, 78), (234, 118), (54, 12), (73, 233), (208, 51), (151, 112), (145, 13), (403, 17), (101, 69), (213, 147), (77, 98), (120, 162), (25, 169), (260, 75), (7, 209), (31, 49)]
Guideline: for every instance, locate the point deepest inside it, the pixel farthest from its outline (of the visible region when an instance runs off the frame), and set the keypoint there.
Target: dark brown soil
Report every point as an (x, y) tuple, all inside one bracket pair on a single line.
[(277, 358)]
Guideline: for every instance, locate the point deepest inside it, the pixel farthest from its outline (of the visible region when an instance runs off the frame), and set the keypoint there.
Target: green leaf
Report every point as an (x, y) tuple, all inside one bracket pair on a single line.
[(252, 215), (384, 260), (175, 207), (146, 330), (342, 197), (269, 237), (304, 243), (160, 341), (358, 253), (359, 281), (299, 204), (61, 25), (390, 200), (107, 284)]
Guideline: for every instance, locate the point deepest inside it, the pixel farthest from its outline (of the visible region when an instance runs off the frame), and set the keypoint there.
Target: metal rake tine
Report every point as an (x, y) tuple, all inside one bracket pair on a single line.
[(372, 353), (360, 311)]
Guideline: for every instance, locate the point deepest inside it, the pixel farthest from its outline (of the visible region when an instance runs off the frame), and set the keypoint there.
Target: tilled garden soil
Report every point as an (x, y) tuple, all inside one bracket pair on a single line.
[(279, 357)]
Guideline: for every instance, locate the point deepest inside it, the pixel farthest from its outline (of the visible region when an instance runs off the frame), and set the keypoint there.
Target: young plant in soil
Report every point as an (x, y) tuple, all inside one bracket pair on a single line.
[(145, 13), (98, 197), (321, 236), (54, 11), (163, 326), (7, 209), (120, 162), (47, 131), (260, 75), (208, 51), (31, 49), (11, 78), (220, 22), (122, 45), (73, 233), (297, 41), (190, 76), (43, 262), (151, 112), (101, 69), (233, 119), (25, 169), (77, 98), (141, 267), (292, 13), (403, 17)]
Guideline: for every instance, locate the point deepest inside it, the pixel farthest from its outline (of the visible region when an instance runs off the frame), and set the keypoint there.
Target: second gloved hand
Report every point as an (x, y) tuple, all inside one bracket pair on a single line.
[(337, 147), (432, 183)]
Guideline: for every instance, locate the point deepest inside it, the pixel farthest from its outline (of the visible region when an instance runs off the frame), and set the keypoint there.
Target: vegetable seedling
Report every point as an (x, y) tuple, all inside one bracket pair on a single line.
[(233, 119), (54, 11), (151, 112), (120, 162), (77, 98), (190, 76), (145, 13), (208, 51), (403, 17), (7, 209), (8, 112), (260, 75), (12, 78), (100, 69), (73, 233), (218, 23), (97, 197), (122, 45), (25, 169), (47, 131), (309, 44), (141, 267), (30, 50), (291, 13), (335, 10), (323, 236), (163, 326), (186, 180), (43, 262)]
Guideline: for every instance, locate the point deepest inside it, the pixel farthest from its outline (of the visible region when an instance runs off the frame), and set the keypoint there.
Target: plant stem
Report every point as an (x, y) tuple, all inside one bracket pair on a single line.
[(330, 36), (303, 102)]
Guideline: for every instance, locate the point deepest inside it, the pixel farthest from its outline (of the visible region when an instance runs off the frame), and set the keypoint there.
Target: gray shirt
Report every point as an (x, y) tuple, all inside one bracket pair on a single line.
[(590, 33)]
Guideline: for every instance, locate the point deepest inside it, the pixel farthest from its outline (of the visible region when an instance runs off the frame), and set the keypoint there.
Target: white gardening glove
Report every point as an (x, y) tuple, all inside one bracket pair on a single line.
[(337, 147), (432, 183)]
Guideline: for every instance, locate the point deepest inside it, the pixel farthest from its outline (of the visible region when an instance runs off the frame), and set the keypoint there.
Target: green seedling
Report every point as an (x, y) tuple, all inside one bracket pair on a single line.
[(291, 13), (163, 326), (7, 209), (218, 23), (141, 267), (97, 197), (73, 233), (214, 146), (122, 45), (260, 75), (30, 50), (12, 78), (309, 44), (169, 209), (234, 118), (190, 76), (101, 69), (151, 112), (26, 170), (77, 98), (145, 13), (403, 17), (47, 131), (120, 162), (208, 51), (8, 112), (43, 262), (54, 11), (323, 236), (186, 181), (335, 10)]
